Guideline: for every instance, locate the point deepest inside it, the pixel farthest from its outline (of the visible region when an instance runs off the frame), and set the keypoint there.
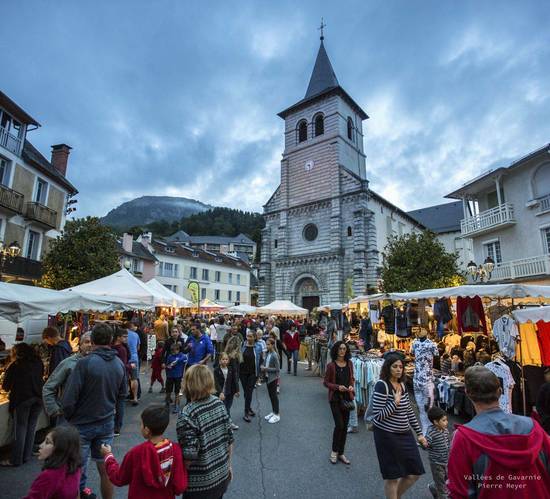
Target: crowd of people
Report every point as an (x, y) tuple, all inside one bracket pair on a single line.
[(201, 369)]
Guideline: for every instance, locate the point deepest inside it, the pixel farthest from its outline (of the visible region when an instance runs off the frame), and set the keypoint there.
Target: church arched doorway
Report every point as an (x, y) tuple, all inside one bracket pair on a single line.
[(307, 293)]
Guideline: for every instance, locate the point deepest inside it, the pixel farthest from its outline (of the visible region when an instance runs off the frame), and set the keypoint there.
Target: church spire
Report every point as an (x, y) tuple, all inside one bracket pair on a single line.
[(323, 76)]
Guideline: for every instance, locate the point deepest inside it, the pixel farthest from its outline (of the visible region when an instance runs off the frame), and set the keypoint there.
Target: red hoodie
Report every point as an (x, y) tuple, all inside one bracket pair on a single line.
[(292, 340), (514, 468), (152, 471)]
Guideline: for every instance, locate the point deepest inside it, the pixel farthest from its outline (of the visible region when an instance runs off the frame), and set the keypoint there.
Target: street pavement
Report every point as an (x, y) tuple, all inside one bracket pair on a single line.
[(289, 459)]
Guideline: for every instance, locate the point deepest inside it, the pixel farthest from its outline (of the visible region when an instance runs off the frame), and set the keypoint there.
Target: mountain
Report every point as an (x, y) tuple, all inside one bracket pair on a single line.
[(149, 209)]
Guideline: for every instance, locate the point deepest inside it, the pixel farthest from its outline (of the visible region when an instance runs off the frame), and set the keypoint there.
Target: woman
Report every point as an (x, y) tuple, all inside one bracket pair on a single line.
[(249, 371), (339, 381), (393, 417), (291, 339), (205, 436), (23, 379), (271, 369)]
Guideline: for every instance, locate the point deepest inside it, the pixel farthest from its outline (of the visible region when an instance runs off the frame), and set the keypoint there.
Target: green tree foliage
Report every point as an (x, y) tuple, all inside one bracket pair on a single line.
[(413, 262), (86, 250)]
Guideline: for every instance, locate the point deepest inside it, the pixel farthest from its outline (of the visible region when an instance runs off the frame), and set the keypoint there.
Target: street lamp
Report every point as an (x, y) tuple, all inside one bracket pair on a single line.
[(8, 253), (127, 264), (481, 272)]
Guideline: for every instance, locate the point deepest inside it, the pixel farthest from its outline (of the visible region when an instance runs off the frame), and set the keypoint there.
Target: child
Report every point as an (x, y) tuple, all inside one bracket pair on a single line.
[(153, 469), (227, 383), (174, 374), (156, 367), (438, 451), (60, 476)]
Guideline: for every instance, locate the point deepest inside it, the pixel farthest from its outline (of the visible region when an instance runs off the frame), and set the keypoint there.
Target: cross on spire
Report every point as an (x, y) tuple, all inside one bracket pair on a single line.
[(323, 25)]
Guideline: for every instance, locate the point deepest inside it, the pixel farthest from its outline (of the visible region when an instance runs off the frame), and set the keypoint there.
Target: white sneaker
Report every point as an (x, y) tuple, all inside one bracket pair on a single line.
[(278, 390), (234, 426), (268, 417), (274, 419)]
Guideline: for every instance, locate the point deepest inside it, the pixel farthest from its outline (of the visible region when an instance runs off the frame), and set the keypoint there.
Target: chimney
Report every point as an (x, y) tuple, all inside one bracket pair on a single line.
[(60, 157), (127, 242), (146, 239)]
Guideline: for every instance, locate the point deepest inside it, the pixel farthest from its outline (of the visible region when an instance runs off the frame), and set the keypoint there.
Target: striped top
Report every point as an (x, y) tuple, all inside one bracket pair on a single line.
[(389, 417), (204, 434), (439, 442)]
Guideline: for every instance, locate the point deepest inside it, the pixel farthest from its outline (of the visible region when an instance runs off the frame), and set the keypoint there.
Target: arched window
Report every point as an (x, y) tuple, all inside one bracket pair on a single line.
[(349, 231), (302, 131), (350, 129), (319, 125)]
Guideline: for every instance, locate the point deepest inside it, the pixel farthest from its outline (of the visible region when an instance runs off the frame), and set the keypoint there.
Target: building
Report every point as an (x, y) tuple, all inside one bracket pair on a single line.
[(241, 246), (222, 278), (444, 221), (137, 256), (35, 194), (325, 229), (506, 213)]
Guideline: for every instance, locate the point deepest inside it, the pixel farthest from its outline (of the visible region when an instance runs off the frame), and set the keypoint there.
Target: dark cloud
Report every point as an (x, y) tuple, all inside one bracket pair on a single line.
[(180, 98)]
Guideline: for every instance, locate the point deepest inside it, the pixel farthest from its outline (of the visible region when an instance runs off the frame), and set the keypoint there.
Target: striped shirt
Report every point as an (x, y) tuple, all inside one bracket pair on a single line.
[(204, 434), (388, 416), (439, 442)]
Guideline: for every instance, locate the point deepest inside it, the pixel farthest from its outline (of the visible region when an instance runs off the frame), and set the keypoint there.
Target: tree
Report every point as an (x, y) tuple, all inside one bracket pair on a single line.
[(413, 262), (86, 250)]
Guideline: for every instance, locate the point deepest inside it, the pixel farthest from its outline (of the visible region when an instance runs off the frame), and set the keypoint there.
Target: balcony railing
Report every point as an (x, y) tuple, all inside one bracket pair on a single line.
[(526, 267), (10, 199), (24, 268), (544, 204), (167, 273), (488, 220), (9, 141), (41, 214)]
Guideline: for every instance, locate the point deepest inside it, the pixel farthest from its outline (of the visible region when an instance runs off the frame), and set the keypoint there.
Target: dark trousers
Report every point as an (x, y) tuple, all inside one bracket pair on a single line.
[(119, 414), (272, 391), (248, 381), (228, 402), (25, 417), (292, 359), (341, 420)]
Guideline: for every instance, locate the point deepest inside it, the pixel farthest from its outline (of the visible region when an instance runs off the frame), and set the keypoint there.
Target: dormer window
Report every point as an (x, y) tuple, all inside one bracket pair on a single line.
[(350, 129), (302, 131), (195, 254), (170, 249), (319, 125)]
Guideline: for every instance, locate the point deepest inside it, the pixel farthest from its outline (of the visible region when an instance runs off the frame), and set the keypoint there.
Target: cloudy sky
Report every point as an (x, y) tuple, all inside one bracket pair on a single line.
[(180, 98)]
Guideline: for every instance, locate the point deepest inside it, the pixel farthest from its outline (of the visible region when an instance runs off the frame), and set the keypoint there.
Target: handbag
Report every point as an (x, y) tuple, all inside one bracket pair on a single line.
[(347, 405)]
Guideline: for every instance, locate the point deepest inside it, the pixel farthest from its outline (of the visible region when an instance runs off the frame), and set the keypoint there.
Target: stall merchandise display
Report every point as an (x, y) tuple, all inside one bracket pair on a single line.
[(507, 383)]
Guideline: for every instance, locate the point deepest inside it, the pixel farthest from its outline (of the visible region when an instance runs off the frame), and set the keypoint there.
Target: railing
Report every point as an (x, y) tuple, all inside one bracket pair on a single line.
[(11, 199), (526, 267), (544, 204), (41, 213), (23, 267), (164, 273), (9, 141), (489, 219)]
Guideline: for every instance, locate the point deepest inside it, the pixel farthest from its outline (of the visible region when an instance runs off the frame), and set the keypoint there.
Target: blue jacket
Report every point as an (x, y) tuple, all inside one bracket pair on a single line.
[(175, 364), (133, 346), (97, 382), (198, 349), (258, 355)]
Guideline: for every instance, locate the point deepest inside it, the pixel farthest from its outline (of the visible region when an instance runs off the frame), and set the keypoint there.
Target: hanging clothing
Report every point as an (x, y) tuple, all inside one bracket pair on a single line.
[(503, 373), (388, 315), (423, 316), (424, 351), (442, 310), (528, 350), (412, 315), (470, 314), (506, 334), (543, 337), (401, 329)]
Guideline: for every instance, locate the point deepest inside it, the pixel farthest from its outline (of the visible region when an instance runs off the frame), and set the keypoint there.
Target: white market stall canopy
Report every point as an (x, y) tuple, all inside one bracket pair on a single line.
[(18, 302), (240, 310), (121, 287), (171, 299), (486, 290), (532, 314), (282, 307), (207, 304)]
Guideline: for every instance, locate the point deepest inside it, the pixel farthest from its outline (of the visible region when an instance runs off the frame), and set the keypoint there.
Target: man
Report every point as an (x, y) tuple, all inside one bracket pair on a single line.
[(120, 346), (175, 337), (133, 343), (95, 386), (273, 328), (234, 331), (53, 388), (58, 347), (497, 454), (160, 327), (199, 346)]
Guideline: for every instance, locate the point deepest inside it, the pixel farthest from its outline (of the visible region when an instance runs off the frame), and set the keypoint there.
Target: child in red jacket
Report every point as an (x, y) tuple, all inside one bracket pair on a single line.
[(156, 367), (153, 469)]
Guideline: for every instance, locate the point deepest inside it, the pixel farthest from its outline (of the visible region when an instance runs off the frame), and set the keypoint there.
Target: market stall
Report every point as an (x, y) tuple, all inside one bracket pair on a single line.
[(282, 307), (240, 310), (166, 297)]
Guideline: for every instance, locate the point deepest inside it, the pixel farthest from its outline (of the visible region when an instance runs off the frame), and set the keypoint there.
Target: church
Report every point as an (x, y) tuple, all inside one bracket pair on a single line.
[(325, 229)]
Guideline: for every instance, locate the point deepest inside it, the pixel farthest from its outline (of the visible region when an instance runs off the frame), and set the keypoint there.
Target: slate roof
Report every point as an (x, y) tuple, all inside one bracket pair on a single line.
[(180, 235), (323, 82), (440, 218), (138, 251), (33, 156)]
